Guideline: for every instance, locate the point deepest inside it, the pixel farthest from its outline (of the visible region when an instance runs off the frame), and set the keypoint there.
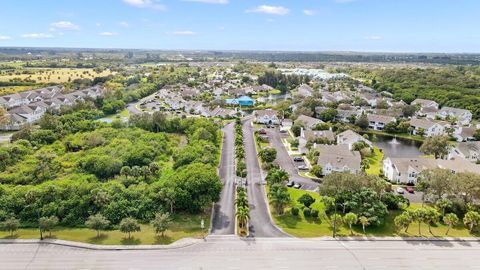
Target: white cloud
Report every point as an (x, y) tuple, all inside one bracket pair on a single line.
[(374, 37), (184, 33), (64, 25), (5, 37), (108, 34), (309, 12), (124, 24), (274, 10), (37, 35), (222, 2), (145, 4)]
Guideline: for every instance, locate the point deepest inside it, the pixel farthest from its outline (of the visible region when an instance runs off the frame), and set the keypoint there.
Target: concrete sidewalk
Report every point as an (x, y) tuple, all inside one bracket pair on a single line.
[(182, 243)]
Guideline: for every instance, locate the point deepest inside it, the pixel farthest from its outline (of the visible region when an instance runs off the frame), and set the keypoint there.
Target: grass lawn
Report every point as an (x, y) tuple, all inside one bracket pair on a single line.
[(299, 226), (183, 226), (52, 75), (274, 92), (375, 162)]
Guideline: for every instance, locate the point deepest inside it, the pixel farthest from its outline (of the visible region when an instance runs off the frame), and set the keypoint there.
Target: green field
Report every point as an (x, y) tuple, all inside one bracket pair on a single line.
[(183, 226), (375, 162), (300, 226)]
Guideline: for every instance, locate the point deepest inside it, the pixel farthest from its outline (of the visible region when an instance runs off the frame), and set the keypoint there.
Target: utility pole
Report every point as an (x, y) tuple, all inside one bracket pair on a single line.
[(39, 226), (335, 217)]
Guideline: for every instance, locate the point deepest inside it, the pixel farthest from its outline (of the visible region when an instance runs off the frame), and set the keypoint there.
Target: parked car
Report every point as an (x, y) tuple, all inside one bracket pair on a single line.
[(283, 131), (410, 190), (298, 158), (297, 186), (303, 167), (400, 190), (262, 131), (290, 184)]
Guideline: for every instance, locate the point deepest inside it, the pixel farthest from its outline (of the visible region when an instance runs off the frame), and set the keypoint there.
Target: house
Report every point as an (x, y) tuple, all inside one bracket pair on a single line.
[(371, 98), (463, 117), (31, 112), (425, 103), (345, 115), (378, 122), (466, 150), (428, 128), (406, 170), (309, 122), (458, 165), (313, 136), (338, 158), (222, 113), (13, 100), (350, 137), (304, 90), (463, 134), (245, 101), (267, 117)]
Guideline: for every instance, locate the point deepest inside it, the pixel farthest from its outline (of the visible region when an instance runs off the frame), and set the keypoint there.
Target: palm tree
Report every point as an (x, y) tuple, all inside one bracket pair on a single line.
[(471, 219), (431, 217), (451, 220), (350, 219), (404, 220), (242, 216), (364, 221), (420, 215), (279, 198), (443, 204)]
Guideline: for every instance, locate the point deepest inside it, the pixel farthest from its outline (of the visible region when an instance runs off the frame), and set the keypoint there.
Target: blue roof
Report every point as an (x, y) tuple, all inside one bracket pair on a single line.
[(245, 98)]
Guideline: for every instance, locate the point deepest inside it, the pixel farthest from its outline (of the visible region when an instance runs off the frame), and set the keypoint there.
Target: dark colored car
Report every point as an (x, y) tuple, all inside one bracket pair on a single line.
[(298, 159), (262, 131), (290, 184)]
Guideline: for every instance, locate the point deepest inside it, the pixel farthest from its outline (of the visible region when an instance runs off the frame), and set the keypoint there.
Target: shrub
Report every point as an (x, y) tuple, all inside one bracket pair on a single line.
[(295, 211), (306, 199), (314, 213), (307, 212)]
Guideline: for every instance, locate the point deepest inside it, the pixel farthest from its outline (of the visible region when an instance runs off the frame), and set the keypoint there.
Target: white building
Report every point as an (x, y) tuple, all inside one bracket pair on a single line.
[(428, 127), (350, 137), (463, 117), (267, 117), (378, 122)]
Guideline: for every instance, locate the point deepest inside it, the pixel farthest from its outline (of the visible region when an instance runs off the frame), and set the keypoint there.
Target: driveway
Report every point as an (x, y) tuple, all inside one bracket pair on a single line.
[(261, 224), (224, 213), (286, 162)]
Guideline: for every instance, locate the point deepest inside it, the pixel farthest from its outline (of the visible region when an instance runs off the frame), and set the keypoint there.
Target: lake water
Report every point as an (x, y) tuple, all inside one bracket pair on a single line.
[(402, 147)]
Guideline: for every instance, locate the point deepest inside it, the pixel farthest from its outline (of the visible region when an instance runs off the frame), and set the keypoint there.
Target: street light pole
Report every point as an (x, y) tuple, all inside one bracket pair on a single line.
[(335, 217)]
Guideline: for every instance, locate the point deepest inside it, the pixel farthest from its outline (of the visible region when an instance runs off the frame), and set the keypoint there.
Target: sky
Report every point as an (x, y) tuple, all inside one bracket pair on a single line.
[(275, 25)]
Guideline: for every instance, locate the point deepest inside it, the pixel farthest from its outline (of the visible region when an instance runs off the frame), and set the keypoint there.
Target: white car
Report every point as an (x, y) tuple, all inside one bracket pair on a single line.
[(400, 190)]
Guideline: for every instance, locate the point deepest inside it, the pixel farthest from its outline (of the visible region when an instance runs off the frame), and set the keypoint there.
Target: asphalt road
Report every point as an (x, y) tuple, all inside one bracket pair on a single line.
[(286, 162), (224, 213), (261, 224), (273, 253)]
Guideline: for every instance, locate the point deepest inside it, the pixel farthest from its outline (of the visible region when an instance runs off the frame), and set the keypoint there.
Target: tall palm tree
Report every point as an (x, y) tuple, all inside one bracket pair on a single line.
[(242, 216), (279, 198)]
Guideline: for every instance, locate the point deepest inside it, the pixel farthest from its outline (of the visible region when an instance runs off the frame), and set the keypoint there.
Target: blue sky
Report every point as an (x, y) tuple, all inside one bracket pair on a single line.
[(310, 25)]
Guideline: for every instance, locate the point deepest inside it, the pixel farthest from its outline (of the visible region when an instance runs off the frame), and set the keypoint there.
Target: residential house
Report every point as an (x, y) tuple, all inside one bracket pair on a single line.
[(350, 137), (267, 117), (338, 158), (313, 136), (222, 113), (378, 122), (309, 122), (463, 134), (428, 128), (467, 150), (13, 100), (406, 170), (425, 103), (345, 115), (245, 101), (304, 91), (462, 116), (30, 112)]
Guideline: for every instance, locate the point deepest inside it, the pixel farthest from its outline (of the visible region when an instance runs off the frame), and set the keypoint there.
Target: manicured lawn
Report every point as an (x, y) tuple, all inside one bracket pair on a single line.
[(299, 226), (375, 162), (183, 226)]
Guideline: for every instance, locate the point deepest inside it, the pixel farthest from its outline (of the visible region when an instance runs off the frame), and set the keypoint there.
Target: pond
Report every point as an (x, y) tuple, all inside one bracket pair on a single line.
[(398, 147)]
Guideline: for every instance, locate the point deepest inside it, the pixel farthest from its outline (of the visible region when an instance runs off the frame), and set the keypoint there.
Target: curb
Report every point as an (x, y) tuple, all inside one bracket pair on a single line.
[(394, 238), (182, 243)]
